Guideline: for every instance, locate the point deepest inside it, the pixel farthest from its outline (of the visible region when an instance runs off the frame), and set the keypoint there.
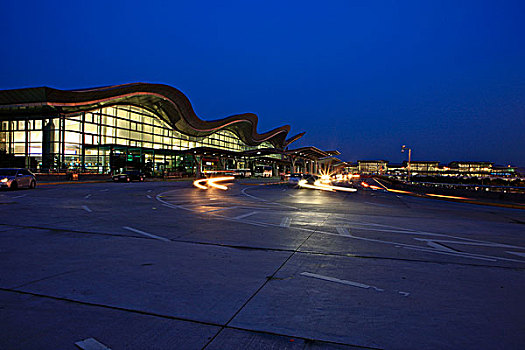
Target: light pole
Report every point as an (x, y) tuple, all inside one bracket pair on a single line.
[(403, 148)]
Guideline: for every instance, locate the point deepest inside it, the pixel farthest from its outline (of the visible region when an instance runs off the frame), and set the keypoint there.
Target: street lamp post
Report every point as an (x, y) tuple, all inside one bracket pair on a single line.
[(403, 148)]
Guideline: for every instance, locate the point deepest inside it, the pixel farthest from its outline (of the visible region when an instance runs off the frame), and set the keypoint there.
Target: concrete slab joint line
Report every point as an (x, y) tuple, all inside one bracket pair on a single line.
[(91, 344)]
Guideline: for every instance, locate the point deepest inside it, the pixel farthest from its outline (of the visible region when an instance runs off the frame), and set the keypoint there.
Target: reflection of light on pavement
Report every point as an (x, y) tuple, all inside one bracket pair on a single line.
[(212, 182)]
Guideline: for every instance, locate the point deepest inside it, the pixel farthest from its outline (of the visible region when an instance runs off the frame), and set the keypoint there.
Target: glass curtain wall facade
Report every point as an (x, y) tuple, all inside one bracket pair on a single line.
[(93, 141)]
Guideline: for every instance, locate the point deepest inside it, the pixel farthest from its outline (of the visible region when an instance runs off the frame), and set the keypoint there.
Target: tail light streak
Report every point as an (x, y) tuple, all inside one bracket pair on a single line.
[(212, 182)]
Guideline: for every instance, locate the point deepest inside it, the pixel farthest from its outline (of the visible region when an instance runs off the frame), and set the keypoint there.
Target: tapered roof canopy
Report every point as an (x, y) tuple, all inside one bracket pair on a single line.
[(166, 102)]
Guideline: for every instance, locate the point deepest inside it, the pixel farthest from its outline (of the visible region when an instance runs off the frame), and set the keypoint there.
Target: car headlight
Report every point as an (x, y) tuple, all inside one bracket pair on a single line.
[(5, 179)]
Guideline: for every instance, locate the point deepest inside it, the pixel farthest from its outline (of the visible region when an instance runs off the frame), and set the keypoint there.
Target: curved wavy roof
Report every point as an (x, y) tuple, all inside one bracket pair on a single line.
[(165, 101)]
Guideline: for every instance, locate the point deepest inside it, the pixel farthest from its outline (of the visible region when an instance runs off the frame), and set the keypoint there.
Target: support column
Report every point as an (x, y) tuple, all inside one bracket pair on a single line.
[(83, 150)]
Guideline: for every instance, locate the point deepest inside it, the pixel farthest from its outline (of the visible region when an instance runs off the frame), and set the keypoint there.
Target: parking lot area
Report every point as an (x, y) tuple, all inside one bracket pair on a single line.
[(164, 265)]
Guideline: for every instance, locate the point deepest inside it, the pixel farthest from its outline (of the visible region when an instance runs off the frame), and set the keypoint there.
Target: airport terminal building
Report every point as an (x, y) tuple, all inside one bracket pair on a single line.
[(151, 127)]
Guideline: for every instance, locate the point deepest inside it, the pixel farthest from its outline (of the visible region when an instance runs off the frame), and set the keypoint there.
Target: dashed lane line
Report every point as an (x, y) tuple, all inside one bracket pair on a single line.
[(517, 253), (440, 247), (86, 208), (337, 280), (91, 344), (343, 231), (285, 222), (145, 233), (245, 215), (349, 235)]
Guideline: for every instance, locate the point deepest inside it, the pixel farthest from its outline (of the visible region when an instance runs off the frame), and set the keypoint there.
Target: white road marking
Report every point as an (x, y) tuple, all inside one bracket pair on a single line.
[(245, 215), (440, 247), (243, 191), (22, 195), (145, 233), (91, 344), (517, 253), (477, 243), (285, 222), (405, 294), (463, 255), (150, 190), (343, 231), (379, 205), (337, 280), (87, 196), (85, 207), (148, 196), (361, 224)]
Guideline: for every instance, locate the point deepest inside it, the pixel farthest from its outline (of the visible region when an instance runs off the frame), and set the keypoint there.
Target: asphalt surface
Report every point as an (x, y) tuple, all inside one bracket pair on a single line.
[(163, 265)]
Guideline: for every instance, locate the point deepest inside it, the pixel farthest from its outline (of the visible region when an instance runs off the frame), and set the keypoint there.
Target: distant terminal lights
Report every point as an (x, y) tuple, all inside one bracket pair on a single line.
[(432, 168)]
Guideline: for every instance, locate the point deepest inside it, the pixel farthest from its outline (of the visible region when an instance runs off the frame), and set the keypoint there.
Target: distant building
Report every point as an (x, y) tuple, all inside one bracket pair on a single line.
[(369, 167), (420, 167), (469, 168)]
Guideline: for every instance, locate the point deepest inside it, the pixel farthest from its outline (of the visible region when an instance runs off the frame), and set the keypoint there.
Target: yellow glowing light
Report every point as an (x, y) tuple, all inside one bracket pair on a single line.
[(198, 184), (364, 184), (375, 187), (397, 191), (212, 182), (318, 185), (443, 196)]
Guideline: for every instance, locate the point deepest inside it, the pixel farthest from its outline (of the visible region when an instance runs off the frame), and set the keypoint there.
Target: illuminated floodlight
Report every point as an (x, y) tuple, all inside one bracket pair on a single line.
[(212, 182)]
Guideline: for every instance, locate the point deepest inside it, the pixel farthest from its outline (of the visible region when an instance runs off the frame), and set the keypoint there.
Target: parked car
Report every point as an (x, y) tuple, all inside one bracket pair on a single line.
[(295, 178), (13, 178), (129, 175)]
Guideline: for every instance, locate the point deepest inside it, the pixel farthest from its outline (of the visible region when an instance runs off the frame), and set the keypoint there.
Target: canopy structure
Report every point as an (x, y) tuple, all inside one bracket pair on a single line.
[(166, 102)]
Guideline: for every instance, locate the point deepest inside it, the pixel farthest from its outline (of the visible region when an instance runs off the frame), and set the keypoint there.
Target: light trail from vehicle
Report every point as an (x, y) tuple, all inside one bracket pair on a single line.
[(443, 196), (212, 182), (325, 187)]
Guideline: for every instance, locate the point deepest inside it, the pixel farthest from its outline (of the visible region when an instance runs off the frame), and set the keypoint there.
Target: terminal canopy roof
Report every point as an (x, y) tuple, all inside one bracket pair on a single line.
[(166, 102), (309, 152)]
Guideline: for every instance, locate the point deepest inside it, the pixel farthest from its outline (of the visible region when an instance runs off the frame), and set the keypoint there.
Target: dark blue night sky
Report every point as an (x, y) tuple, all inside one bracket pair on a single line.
[(444, 77)]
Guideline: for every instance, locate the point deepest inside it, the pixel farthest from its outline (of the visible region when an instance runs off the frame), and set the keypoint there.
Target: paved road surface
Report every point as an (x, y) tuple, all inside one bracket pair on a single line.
[(164, 265)]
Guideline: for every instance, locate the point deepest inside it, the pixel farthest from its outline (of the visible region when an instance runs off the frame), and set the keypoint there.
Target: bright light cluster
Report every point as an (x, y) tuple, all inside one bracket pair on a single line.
[(212, 182), (320, 185)]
